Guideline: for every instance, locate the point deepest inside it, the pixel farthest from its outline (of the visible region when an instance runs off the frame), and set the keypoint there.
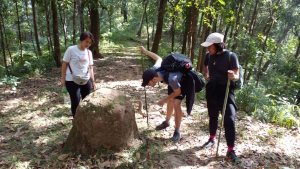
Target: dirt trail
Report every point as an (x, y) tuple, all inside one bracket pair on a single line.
[(258, 144)]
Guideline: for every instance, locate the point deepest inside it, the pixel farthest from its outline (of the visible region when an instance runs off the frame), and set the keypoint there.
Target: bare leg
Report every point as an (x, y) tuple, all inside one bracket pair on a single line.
[(178, 113)]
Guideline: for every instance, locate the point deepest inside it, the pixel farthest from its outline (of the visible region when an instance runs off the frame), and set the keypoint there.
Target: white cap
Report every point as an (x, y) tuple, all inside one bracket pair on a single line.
[(213, 38)]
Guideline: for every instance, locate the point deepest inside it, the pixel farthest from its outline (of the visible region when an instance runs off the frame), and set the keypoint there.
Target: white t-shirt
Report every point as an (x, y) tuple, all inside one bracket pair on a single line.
[(78, 60)]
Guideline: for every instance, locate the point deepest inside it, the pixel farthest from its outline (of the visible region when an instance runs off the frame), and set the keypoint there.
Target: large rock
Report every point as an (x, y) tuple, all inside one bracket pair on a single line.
[(104, 119)]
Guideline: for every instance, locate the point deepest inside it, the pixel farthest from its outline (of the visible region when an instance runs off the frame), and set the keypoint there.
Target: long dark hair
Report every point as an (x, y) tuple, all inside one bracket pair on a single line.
[(85, 35), (220, 46)]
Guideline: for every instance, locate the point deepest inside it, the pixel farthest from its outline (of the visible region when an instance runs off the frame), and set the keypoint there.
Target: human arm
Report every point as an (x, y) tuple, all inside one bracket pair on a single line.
[(92, 77), (234, 74), (206, 72), (154, 56), (63, 73), (174, 94)]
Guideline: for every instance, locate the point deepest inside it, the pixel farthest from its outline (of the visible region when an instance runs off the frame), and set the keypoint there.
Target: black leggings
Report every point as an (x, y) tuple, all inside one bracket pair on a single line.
[(214, 109), (75, 90), (215, 95)]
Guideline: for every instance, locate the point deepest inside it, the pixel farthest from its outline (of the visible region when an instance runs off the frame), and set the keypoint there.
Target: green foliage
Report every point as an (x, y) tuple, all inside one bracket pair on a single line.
[(255, 101), (11, 81)]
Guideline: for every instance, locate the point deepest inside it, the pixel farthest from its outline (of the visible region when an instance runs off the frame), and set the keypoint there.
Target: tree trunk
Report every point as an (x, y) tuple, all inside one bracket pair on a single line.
[(220, 29), (3, 47), (298, 49), (278, 43), (160, 20), (205, 33), (20, 37), (74, 23), (193, 30), (174, 15), (186, 31), (124, 8), (80, 7), (154, 20), (214, 28), (253, 20), (139, 32), (35, 28), (11, 62), (237, 25), (226, 33), (48, 25), (173, 32), (264, 50), (200, 25), (95, 29), (147, 26), (29, 26), (57, 55), (63, 22)]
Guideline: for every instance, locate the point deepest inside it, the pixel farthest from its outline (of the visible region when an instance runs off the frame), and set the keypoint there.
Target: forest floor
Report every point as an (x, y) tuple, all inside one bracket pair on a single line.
[(34, 123)]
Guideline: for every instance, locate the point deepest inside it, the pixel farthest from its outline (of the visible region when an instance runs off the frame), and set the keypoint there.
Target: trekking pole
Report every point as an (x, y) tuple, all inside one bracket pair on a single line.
[(223, 113), (143, 69)]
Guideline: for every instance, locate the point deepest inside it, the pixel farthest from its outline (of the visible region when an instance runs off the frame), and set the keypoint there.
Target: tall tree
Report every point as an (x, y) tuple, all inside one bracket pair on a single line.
[(49, 38), (80, 6), (28, 23), (74, 23), (35, 28), (139, 32), (174, 16), (7, 45), (124, 10), (193, 28), (57, 54), (63, 20), (237, 24), (20, 38), (154, 20), (3, 48), (160, 20), (95, 28), (186, 28), (205, 33)]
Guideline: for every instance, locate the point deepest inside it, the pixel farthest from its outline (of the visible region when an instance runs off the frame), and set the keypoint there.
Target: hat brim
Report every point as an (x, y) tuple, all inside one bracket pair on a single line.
[(206, 44), (144, 83)]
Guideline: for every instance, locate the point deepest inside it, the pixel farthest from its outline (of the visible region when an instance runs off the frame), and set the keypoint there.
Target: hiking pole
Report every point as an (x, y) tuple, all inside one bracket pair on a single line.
[(143, 69), (223, 113)]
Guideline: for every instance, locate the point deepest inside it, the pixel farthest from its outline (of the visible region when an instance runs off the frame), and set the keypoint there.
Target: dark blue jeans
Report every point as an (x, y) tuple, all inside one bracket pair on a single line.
[(75, 90)]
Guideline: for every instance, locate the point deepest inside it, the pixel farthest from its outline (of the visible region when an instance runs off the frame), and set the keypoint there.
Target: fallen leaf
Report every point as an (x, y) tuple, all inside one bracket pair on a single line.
[(63, 156), (138, 156)]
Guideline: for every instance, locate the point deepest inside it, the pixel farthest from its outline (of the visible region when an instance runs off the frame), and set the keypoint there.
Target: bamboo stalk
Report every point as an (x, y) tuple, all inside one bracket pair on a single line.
[(223, 113)]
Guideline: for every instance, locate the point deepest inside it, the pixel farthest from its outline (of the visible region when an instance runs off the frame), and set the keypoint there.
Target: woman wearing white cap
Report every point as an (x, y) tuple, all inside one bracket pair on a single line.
[(218, 67)]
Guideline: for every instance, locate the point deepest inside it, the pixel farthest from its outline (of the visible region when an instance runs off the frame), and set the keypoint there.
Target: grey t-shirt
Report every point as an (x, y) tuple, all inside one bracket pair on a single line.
[(174, 77), (218, 65)]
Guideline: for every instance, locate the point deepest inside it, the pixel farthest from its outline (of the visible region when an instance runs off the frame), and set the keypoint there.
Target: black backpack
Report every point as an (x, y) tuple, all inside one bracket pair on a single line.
[(177, 62)]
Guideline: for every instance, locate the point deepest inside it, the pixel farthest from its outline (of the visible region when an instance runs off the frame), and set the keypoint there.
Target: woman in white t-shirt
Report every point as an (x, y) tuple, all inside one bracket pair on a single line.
[(78, 60)]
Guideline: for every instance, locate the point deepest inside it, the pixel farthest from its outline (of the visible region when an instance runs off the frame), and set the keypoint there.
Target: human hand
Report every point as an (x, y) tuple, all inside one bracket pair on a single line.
[(94, 86), (142, 49), (63, 82), (230, 75), (161, 103), (207, 79)]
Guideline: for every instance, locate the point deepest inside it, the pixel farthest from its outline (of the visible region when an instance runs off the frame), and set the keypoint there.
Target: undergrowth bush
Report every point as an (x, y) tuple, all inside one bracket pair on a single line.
[(255, 102)]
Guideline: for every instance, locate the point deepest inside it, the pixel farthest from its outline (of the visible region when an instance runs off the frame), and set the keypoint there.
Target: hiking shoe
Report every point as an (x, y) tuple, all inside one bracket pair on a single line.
[(163, 125), (232, 157), (209, 143), (176, 136)]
